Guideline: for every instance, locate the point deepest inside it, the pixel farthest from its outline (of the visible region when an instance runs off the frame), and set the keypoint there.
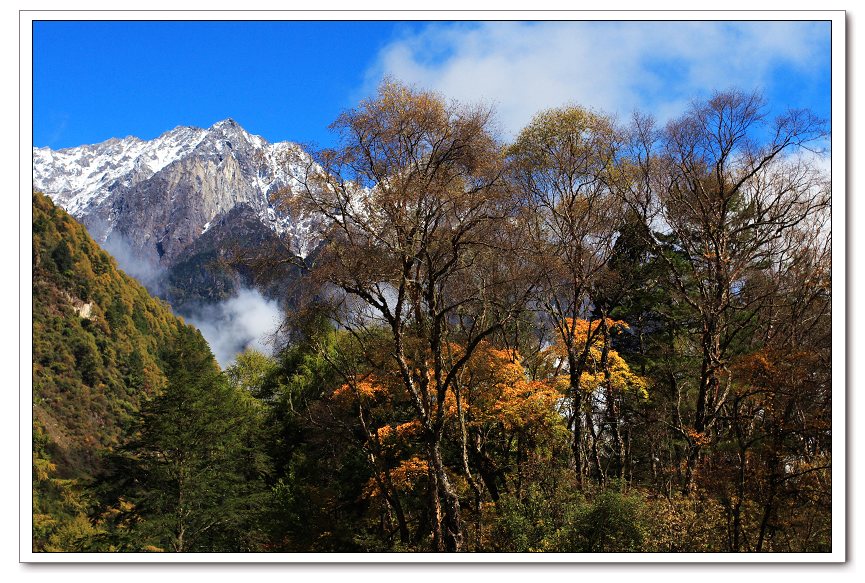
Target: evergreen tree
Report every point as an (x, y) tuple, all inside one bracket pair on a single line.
[(196, 467)]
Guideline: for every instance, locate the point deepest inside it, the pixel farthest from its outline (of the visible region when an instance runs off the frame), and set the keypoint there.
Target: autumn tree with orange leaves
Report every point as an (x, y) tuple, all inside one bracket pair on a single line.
[(597, 319), (416, 243), (564, 166)]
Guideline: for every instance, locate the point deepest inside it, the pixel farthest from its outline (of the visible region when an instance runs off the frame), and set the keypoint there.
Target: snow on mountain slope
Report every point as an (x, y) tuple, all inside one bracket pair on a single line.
[(159, 195), (77, 177)]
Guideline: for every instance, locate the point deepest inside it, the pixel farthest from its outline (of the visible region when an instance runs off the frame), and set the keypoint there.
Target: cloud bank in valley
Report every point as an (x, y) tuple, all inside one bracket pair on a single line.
[(616, 67), (147, 274), (247, 320)]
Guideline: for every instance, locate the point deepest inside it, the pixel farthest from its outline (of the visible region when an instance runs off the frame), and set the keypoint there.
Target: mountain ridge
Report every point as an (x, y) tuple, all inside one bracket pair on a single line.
[(183, 180), (188, 214)]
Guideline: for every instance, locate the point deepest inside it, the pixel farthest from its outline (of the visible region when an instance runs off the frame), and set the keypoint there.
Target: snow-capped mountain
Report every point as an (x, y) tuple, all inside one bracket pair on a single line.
[(86, 175), (158, 197)]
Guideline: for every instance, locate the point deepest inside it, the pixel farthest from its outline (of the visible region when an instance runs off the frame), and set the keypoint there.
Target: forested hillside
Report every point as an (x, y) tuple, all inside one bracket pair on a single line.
[(598, 337), (106, 357), (98, 342)]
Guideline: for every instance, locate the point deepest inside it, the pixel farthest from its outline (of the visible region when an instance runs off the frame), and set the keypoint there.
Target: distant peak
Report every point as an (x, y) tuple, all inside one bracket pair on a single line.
[(226, 123)]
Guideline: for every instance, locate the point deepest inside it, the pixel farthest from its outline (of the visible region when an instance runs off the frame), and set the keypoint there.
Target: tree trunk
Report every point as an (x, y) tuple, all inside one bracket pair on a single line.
[(447, 504), (737, 506), (705, 398), (577, 425), (596, 456), (764, 525), (465, 459), (393, 501), (179, 539), (436, 510), (612, 412), (486, 469), (690, 465)]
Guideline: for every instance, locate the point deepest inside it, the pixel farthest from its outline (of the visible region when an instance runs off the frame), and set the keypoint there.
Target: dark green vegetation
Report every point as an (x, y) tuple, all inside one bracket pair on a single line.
[(222, 261), (139, 441), (98, 341), (598, 338)]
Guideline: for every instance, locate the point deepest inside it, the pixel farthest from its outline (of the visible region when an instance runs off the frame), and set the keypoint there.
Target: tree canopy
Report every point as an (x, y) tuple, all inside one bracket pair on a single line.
[(601, 337)]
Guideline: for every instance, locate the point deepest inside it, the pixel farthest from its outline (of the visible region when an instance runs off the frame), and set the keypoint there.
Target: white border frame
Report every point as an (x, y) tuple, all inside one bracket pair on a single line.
[(839, 285)]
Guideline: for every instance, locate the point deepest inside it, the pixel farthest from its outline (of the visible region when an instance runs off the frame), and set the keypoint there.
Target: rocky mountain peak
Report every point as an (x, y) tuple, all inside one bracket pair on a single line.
[(225, 123), (151, 200)]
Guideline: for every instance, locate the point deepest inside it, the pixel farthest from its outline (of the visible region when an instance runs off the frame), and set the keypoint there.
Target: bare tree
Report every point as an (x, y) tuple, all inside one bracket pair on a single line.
[(779, 413), (728, 185), (563, 164), (415, 212)]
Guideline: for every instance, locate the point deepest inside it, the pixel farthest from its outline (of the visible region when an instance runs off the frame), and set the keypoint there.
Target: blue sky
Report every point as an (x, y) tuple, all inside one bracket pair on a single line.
[(289, 80)]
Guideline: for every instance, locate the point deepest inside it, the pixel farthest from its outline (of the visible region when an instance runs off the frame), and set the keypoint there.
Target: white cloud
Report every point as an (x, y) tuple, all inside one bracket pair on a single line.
[(615, 67), (247, 320)]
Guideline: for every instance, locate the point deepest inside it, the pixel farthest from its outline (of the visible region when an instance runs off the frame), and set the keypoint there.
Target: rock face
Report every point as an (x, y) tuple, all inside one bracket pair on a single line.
[(164, 206), (215, 267)]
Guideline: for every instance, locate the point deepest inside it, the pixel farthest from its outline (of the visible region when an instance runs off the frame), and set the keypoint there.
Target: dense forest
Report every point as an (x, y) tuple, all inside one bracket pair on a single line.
[(597, 337)]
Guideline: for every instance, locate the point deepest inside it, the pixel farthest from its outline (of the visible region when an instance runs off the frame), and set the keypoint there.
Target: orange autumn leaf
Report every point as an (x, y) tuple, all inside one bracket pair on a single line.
[(404, 477)]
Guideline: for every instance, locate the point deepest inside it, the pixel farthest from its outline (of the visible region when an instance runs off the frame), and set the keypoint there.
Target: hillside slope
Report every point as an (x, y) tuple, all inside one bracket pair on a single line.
[(99, 341)]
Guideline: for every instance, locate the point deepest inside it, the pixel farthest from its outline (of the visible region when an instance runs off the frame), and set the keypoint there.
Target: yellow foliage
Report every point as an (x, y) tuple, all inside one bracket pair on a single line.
[(390, 434), (384, 433), (42, 468), (410, 428), (617, 375), (368, 388), (698, 438), (526, 405), (403, 477), (152, 549), (571, 136), (70, 534), (498, 391)]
